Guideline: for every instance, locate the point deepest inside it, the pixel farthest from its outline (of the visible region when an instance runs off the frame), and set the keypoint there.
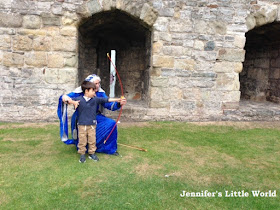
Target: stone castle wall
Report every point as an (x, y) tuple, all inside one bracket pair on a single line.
[(196, 56)]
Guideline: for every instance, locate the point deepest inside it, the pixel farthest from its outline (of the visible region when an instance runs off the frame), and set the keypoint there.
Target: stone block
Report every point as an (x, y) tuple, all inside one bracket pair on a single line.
[(69, 31), (164, 36), (22, 43), (71, 60), (218, 27), (42, 43), (231, 55), (52, 31), (159, 82), (159, 104), (275, 63), (69, 19), (180, 26), (10, 20), (228, 67), (210, 46), (31, 22), (198, 45), (239, 41), (13, 59), (274, 73), (5, 42), (67, 75), (51, 20), (230, 105), (55, 60), (183, 106), (187, 64), (161, 24), (163, 61), (156, 93), (148, 15), (67, 44), (266, 14), (5, 4), (34, 32), (157, 47), (227, 81), (175, 51), (56, 9), (50, 76), (36, 59)]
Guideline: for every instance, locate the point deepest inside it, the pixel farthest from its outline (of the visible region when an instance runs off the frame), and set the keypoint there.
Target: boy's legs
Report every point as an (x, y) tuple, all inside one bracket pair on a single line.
[(82, 139), (92, 142), (91, 139)]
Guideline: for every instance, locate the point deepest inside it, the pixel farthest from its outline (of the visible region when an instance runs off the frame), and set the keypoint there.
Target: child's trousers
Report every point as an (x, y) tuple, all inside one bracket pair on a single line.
[(87, 135)]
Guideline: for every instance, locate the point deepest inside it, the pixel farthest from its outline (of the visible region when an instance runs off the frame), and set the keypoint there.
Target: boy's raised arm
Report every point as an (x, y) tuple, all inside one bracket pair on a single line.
[(75, 103), (114, 100)]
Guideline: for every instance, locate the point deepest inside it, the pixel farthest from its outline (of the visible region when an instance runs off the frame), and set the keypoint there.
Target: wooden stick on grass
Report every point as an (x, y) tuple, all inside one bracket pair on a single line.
[(134, 147)]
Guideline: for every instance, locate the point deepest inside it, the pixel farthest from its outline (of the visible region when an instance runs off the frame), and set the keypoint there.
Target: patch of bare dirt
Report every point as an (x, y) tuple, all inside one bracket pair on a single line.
[(146, 169)]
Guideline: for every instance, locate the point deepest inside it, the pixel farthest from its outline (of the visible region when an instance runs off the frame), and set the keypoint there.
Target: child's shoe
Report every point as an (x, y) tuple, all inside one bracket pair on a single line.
[(82, 159), (93, 157)]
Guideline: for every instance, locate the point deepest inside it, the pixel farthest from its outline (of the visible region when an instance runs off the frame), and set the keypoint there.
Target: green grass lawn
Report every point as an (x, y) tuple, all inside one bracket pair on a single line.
[(38, 171)]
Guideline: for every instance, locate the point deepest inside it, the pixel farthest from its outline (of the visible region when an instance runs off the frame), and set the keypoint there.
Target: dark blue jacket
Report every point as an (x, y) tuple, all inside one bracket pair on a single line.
[(87, 109)]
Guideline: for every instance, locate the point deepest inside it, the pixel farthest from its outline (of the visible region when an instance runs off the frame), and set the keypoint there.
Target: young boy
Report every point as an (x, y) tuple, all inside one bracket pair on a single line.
[(87, 106)]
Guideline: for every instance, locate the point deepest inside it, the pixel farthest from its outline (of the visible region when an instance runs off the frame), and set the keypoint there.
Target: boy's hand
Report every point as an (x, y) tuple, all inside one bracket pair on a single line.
[(76, 104)]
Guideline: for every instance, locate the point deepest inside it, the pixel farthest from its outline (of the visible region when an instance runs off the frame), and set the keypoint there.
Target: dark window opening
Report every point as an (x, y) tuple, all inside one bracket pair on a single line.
[(260, 78), (116, 30)]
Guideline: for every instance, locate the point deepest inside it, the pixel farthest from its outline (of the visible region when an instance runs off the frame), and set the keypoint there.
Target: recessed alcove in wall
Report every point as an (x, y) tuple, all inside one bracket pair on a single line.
[(260, 78), (131, 38)]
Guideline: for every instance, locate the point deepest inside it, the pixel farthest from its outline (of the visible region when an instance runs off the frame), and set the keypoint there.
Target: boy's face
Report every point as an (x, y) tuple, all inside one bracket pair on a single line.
[(90, 93)]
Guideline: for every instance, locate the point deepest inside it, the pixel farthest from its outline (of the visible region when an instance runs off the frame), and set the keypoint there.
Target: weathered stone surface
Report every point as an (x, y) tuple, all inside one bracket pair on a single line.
[(159, 82), (210, 46), (31, 32), (227, 81), (161, 24), (31, 21), (56, 9), (22, 43), (69, 19), (163, 61), (231, 55), (51, 20), (13, 59), (64, 44), (198, 45), (187, 64), (148, 15), (71, 60), (42, 43), (10, 20), (239, 41), (157, 47), (69, 31), (93, 6), (55, 60), (180, 26), (5, 42), (228, 67), (36, 59)]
